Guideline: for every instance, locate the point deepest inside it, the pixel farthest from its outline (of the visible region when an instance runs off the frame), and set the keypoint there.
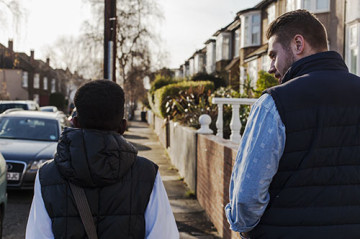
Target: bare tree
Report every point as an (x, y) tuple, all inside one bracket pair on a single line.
[(72, 53), (136, 21), (11, 14)]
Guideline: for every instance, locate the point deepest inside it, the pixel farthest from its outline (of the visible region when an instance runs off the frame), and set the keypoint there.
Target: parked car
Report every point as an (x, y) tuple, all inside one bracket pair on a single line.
[(3, 194), (49, 108), (28, 139), (22, 104)]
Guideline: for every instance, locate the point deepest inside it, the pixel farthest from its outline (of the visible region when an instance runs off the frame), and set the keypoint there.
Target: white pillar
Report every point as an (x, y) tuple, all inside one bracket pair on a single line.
[(235, 124), (219, 121)]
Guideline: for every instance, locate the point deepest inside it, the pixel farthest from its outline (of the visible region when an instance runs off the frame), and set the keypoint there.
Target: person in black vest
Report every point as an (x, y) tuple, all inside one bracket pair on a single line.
[(297, 172), (126, 196)]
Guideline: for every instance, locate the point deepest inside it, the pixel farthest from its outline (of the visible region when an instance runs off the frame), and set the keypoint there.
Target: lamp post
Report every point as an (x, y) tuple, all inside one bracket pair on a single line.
[(110, 40)]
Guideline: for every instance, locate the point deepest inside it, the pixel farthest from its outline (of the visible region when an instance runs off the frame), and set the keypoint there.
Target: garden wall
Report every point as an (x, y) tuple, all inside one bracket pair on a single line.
[(182, 152), (215, 159), (205, 162)]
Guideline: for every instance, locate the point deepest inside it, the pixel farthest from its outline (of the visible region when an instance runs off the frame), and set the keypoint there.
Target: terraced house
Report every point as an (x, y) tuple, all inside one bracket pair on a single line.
[(238, 51)]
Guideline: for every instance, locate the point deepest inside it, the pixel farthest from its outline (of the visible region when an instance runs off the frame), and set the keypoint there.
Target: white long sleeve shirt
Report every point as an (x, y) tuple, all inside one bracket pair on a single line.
[(159, 218)]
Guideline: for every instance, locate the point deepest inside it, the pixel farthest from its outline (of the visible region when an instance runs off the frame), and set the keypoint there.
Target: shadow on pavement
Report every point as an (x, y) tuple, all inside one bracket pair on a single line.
[(131, 136), (140, 147)]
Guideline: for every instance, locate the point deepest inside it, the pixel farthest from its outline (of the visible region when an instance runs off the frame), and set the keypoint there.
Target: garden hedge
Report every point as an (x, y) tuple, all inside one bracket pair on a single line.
[(163, 94)]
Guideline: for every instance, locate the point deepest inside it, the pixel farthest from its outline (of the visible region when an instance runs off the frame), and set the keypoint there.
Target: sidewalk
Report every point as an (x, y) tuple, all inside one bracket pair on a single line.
[(190, 218)]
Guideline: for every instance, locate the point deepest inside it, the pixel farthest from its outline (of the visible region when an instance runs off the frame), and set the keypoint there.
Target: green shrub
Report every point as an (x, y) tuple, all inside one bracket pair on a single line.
[(167, 92), (187, 106), (265, 81), (161, 81), (218, 82)]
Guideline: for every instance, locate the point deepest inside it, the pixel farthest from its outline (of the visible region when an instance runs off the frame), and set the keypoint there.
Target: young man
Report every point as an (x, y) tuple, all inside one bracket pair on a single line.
[(297, 170), (125, 193)]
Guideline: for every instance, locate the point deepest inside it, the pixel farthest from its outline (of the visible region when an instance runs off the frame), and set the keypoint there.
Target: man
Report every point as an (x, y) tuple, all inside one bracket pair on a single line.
[(297, 170), (125, 192)]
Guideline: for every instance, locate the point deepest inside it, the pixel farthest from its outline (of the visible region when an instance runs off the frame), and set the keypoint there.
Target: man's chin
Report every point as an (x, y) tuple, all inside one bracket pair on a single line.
[(279, 78)]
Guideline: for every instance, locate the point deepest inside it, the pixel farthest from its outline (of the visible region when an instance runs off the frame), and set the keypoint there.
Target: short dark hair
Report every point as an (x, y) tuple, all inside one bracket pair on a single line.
[(100, 105), (300, 22)]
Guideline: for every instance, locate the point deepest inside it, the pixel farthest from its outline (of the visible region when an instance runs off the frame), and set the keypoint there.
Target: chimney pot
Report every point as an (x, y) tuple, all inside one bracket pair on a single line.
[(11, 45), (48, 61), (32, 53)]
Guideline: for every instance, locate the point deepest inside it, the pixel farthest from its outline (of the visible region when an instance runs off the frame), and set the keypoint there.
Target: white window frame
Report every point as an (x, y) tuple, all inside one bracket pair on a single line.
[(210, 57), (25, 79), (247, 29), (253, 72), (236, 42), (45, 83), (223, 46), (36, 81), (265, 62), (313, 6), (53, 85), (271, 13), (191, 67), (353, 46)]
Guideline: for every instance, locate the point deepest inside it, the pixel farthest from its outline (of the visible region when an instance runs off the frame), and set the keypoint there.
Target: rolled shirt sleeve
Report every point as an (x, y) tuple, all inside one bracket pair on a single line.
[(257, 161)]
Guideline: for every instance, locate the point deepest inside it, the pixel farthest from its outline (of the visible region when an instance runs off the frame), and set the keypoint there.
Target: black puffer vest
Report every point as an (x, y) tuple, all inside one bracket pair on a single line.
[(316, 191), (117, 184)]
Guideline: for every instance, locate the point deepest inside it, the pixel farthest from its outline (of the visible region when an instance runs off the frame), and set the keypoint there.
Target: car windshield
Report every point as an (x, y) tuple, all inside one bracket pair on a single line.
[(7, 106), (29, 128)]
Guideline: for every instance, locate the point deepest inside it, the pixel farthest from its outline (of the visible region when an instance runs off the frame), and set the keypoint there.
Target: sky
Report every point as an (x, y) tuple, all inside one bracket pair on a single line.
[(187, 24)]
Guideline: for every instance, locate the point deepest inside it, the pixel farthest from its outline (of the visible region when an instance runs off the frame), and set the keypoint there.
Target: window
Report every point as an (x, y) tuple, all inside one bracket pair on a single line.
[(291, 5), (45, 83), (191, 67), (250, 29), (25, 79), (253, 73), (36, 81), (210, 57), (271, 13), (316, 6), (53, 86), (352, 43), (236, 42), (223, 46), (265, 61)]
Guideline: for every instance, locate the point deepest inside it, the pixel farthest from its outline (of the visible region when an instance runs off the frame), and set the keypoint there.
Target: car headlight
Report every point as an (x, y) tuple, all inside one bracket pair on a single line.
[(37, 164)]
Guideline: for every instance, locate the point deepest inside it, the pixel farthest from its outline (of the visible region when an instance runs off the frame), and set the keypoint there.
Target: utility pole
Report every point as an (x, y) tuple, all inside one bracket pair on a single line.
[(110, 40)]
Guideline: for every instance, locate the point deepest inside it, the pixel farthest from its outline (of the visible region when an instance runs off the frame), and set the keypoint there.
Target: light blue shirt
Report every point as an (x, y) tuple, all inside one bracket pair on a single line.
[(159, 218), (257, 161)]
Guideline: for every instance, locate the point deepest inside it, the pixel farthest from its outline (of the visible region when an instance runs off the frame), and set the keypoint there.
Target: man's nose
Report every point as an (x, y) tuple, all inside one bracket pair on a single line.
[(272, 69)]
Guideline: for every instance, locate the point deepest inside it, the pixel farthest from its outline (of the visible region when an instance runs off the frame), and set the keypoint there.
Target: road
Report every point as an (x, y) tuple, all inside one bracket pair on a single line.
[(16, 214)]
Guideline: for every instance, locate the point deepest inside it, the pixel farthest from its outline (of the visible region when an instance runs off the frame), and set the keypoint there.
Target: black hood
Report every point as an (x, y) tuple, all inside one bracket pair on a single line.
[(93, 158)]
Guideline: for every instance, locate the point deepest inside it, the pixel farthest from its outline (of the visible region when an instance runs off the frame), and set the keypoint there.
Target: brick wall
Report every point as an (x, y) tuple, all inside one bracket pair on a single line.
[(215, 159)]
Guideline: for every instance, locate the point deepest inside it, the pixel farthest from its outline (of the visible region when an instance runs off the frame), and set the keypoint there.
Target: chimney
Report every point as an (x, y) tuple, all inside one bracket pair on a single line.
[(48, 61), (32, 53), (11, 45)]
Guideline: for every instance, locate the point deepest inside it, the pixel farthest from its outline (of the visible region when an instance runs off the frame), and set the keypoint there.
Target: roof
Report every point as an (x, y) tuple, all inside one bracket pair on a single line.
[(258, 51), (234, 61), (210, 40), (32, 114)]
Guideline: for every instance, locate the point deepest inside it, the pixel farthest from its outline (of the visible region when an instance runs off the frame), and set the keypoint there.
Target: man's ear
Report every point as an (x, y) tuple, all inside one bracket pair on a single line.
[(76, 122), (122, 126), (298, 45)]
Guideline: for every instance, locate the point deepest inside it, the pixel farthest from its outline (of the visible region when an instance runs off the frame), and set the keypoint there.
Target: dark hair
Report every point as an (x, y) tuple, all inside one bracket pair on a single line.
[(100, 105), (300, 22)]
